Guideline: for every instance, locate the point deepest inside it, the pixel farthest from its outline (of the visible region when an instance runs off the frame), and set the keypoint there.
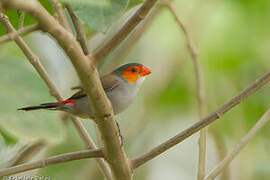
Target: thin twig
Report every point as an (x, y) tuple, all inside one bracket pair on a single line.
[(101, 52), (21, 19), (200, 90), (239, 147), (22, 31), (87, 72), (221, 150), (60, 14), (79, 30), (96, 153), (140, 160), (34, 60)]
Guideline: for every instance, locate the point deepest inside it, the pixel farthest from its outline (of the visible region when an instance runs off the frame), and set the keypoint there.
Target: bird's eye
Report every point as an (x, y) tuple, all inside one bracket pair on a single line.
[(134, 70)]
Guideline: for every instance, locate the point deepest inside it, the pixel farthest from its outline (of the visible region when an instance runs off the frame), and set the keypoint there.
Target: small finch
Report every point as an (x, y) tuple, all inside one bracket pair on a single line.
[(121, 87)]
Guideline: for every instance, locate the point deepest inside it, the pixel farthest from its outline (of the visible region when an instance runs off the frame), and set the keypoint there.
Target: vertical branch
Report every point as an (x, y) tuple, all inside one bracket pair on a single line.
[(34, 60), (81, 38), (221, 150), (79, 30), (200, 90), (60, 14), (237, 149), (21, 19)]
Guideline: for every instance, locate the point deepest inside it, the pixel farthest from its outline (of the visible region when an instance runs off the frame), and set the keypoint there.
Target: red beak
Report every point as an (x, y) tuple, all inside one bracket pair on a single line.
[(145, 71)]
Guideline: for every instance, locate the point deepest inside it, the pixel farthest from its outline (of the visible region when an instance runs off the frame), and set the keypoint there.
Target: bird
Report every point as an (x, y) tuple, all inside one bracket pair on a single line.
[(121, 87)]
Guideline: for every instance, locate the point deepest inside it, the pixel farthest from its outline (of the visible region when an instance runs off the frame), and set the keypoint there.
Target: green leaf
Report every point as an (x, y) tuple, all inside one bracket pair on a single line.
[(7, 137), (99, 15)]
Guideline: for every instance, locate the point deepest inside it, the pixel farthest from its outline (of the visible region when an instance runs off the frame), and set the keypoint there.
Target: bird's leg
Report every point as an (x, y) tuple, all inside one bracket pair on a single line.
[(121, 137)]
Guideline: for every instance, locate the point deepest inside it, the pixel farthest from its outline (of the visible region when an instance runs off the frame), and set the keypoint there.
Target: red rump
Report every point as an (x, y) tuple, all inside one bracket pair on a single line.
[(66, 102)]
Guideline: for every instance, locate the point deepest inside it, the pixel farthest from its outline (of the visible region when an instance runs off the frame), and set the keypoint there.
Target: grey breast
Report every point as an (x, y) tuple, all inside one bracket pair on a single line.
[(121, 97)]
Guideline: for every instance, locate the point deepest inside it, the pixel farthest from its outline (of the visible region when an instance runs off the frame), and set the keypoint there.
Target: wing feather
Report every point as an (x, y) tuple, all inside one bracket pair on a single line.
[(109, 82)]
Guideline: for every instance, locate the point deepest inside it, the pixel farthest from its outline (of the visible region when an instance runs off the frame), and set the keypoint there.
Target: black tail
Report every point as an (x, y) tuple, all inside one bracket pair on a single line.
[(49, 106)]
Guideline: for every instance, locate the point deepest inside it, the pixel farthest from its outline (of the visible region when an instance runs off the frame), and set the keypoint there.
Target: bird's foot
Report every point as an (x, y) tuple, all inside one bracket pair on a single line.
[(76, 88)]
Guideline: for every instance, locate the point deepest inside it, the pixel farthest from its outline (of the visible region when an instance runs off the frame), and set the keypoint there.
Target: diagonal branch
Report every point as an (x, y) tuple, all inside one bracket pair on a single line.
[(34, 60), (22, 31), (200, 89), (131, 41), (104, 50), (87, 72), (79, 30), (140, 160), (96, 153), (237, 149)]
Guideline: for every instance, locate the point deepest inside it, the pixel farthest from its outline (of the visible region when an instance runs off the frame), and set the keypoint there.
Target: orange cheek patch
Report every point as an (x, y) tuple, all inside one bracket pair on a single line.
[(130, 77)]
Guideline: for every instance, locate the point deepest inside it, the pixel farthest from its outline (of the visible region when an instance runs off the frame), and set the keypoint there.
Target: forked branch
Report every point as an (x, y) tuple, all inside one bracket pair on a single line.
[(22, 31)]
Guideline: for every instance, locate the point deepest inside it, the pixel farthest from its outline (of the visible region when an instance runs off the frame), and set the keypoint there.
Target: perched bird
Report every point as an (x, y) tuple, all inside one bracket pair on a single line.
[(121, 87)]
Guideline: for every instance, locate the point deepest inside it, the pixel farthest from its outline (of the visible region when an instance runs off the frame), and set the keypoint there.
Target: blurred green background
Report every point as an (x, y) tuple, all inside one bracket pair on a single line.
[(233, 41)]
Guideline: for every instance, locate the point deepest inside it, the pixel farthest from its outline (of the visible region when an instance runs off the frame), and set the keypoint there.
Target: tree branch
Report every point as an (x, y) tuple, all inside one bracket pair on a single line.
[(221, 150), (101, 52), (22, 31), (103, 166), (140, 160), (243, 142), (200, 90), (60, 14), (131, 41), (79, 30), (34, 60), (21, 19), (96, 153), (88, 75)]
